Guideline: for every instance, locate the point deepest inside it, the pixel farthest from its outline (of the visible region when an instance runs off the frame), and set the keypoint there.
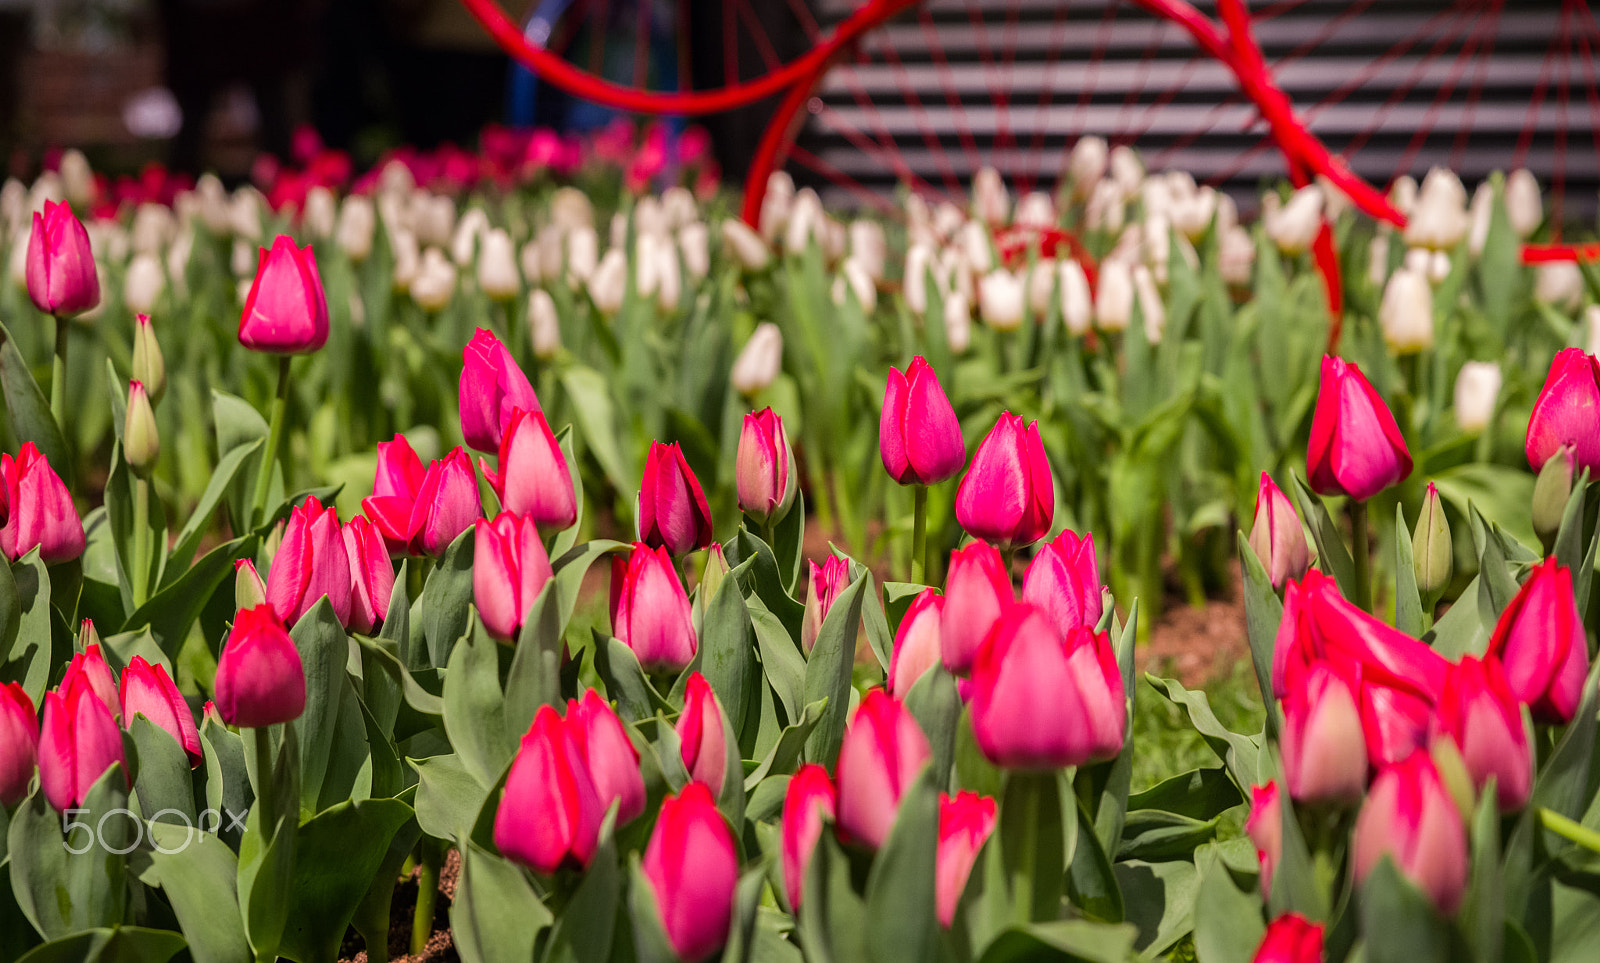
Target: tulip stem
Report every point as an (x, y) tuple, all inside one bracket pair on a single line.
[(1361, 553), (1569, 830), (141, 541), (427, 890), (269, 457), (919, 533), (58, 378), (261, 738)]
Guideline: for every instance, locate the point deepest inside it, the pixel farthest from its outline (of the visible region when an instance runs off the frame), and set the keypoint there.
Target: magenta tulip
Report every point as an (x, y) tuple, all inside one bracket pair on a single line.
[(1481, 715), (60, 267), (965, 822), (147, 690), (808, 800), (919, 437), (764, 475), (260, 680), (702, 741), (88, 669), (1324, 749), (882, 753), (41, 514), (1320, 624), (1277, 537), (550, 814), (533, 479), (509, 570), (977, 591), (493, 388), (916, 645), (1540, 641), (1567, 412), (612, 760), (824, 583), (672, 510), (1007, 497), (286, 311), (650, 613), (394, 491), (1063, 580), (1394, 720), (312, 562), (447, 504), (1290, 938), (1264, 827), (1355, 447), (692, 868), (1409, 816), (371, 575), (1039, 704), (78, 742), (19, 743)]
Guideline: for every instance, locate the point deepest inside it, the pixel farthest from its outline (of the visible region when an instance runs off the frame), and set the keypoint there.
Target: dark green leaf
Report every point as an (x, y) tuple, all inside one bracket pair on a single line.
[(496, 917), (474, 707), (447, 600), (900, 887), (28, 410), (828, 670), (198, 873), (1332, 555), (337, 854)]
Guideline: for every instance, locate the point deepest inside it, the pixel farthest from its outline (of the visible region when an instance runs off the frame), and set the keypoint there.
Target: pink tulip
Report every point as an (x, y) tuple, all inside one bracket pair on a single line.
[(764, 473), (493, 388), (550, 814), (700, 735), (1481, 715), (1319, 623), (78, 742), (612, 760), (692, 868), (672, 510), (1410, 817), (808, 800), (977, 591), (1038, 704), (61, 271), (1324, 749), (1540, 641), (824, 583), (371, 575), (965, 822), (447, 504), (1567, 412), (394, 491), (918, 434), (917, 643), (1007, 497), (1277, 537), (509, 570), (286, 311), (1063, 580), (1355, 447), (147, 690), (1394, 720), (260, 680), (1265, 829), (19, 743), (650, 612), (311, 562), (88, 669), (41, 514), (1290, 938), (882, 753), (533, 478)]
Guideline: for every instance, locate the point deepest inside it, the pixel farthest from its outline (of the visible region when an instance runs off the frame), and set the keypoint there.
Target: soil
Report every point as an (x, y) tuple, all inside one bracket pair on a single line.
[(1198, 645), (441, 946)]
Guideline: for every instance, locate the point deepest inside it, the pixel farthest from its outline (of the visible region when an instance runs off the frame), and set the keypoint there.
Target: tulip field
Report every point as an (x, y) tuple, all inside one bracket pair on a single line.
[(513, 555)]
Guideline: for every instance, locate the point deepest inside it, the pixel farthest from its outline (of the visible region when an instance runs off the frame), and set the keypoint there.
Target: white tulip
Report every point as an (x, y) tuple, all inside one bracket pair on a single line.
[(991, 203), (1155, 197), (244, 213), (1481, 216), (833, 238), (1227, 214), (395, 179), (1591, 318), (1477, 388), (854, 278), (407, 258), (973, 243), (1077, 307), (759, 361), (242, 288), (955, 274), (914, 280), (544, 324), (747, 246), (570, 209), (1156, 243), (1036, 209), (14, 205), (1236, 256), (1559, 283), (529, 261), (868, 246), (153, 228), (1335, 202), (186, 206), (1113, 296), (1000, 299), (77, 179), (243, 260), (947, 220), (1130, 244), (583, 255), (618, 237), (1439, 218), (355, 229), (1087, 164), (1403, 193), (178, 261), (668, 275), (957, 322), (435, 283), (1126, 169), (649, 217), (1294, 226), (1378, 259), (694, 242), (213, 204), (776, 206), (1041, 288), (1438, 268), (1417, 260), (497, 266), (1524, 206), (1193, 214), (608, 284), (552, 251), (17, 264), (47, 188), (644, 265), (464, 242), (805, 219), (678, 204), (107, 240), (319, 213), (1107, 207), (1406, 312), (143, 284), (1150, 305)]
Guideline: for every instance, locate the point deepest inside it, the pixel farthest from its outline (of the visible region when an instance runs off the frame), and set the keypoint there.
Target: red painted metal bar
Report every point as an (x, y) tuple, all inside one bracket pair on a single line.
[(774, 140)]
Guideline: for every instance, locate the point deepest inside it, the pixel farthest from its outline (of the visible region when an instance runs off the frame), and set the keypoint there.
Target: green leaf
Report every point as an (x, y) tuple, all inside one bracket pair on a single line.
[(449, 797), (123, 944), (747, 940), (727, 654), (1411, 932), (1036, 828), (198, 873), (781, 661), (496, 917), (936, 705), (446, 600), (756, 569), (189, 537), (625, 681), (1151, 834), (1238, 752), (569, 537), (267, 852), (1407, 600), (227, 780), (650, 943), (784, 758), (30, 658), (337, 854), (584, 931), (238, 424), (1562, 783), (1160, 898), (324, 650), (828, 670), (96, 881), (29, 411), (1078, 939), (1462, 630), (38, 863), (1483, 911), (534, 679), (475, 708), (120, 496), (592, 404), (900, 886), (832, 921), (1090, 881), (1227, 922), (1332, 555), (172, 611), (163, 787), (1198, 794)]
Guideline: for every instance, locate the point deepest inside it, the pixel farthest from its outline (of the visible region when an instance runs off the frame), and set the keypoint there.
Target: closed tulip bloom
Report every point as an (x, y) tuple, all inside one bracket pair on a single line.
[(694, 244), (356, 227), (1063, 580), (1356, 448), (1439, 219), (533, 478), (144, 283), (1293, 226), (435, 281), (148, 367), (41, 512), (1039, 704), (759, 362), (544, 324), (1265, 829), (1276, 535), (764, 475), (311, 562), (1087, 163), (493, 389), (88, 670), (447, 504), (824, 583), (1077, 304), (704, 744), (1524, 206), (394, 490), (509, 570), (1320, 624), (882, 753), (260, 680), (608, 284), (693, 868), (550, 814), (965, 823), (1113, 297), (1477, 389), (1000, 300), (650, 612), (1567, 412), (808, 800), (19, 743), (957, 325), (286, 311), (248, 589), (977, 591), (1236, 256), (1540, 641), (141, 441), (916, 644), (1559, 283), (78, 742), (672, 510), (919, 437), (854, 280), (613, 761), (991, 203), (371, 575), (147, 690), (1481, 715), (1291, 938), (1406, 312), (60, 267), (1324, 748), (1007, 497), (497, 266), (1410, 817), (748, 247)]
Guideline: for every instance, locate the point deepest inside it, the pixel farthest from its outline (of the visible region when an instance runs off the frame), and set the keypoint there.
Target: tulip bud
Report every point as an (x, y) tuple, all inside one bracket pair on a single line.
[(1036, 209), (1236, 257), (1477, 388), (78, 742), (977, 593), (1479, 713), (747, 246), (142, 286), (804, 215), (764, 475), (1276, 535), (311, 563), (583, 255), (407, 259), (700, 735), (1038, 704), (671, 509), (533, 477), (693, 868), (650, 612), (608, 284), (497, 266), (1265, 829), (881, 755), (917, 643), (60, 266), (492, 389), (1432, 555), (248, 589), (435, 282), (1551, 492), (1439, 220), (1290, 938), (41, 513), (371, 575), (1324, 749), (1560, 284), (855, 279), (1063, 581), (1293, 226), (19, 743), (972, 248), (824, 583), (550, 814), (1564, 413), (1406, 313), (1087, 164), (694, 243), (957, 323), (1410, 817), (1113, 299), (1524, 207), (919, 437), (808, 800), (1007, 497), (1077, 306), (990, 202), (141, 441), (1356, 448), (759, 361), (147, 690), (355, 229), (446, 505), (510, 568), (711, 577), (286, 311), (148, 366), (1541, 642), (318, 213), (612, 760), (965, 823), (1000, 300), (88, 670), (544, 324)]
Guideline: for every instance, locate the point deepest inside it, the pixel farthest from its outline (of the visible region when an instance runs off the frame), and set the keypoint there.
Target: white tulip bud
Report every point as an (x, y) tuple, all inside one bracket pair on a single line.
[(1036, 209), (833, 237), (747, 246), (1000, 300), (570, 209), (144, 283), (552, 251), (1113, 296), (1156, 244), (583, 255), (1236, 256), (649, 217), (919, 218), (618, 236), (1477, 388), (243, 259), (868, 247), (957, 322), (178, 261), (497, 266), (1155, 196), (805, 219), (1559, 283), (1524, 206), (407, 258), (1438, 267), (678, 204), (1087, 164), (973, 243), (1150, 306), (544, 324), (395, 179), (464, 243), (759, 361), (355, 229), (1041, 288), (991, 203), (1406, 312), (694, 242), (914, 280), (435, 283), (17, 264), (530, 262), (608, 284), (1378, 259), (1294, 226), (153, 228), (668, 274), (1107, 208), (319, 213), (776, 206), (77, 179), (1192, 215), (1439, 218), (1481, 215), (1077, 308), (1591, 319), (854, 277), (1126, 169), (439, 222), (244, 213), (1335, 202), (947, 220), (1403, 193)]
